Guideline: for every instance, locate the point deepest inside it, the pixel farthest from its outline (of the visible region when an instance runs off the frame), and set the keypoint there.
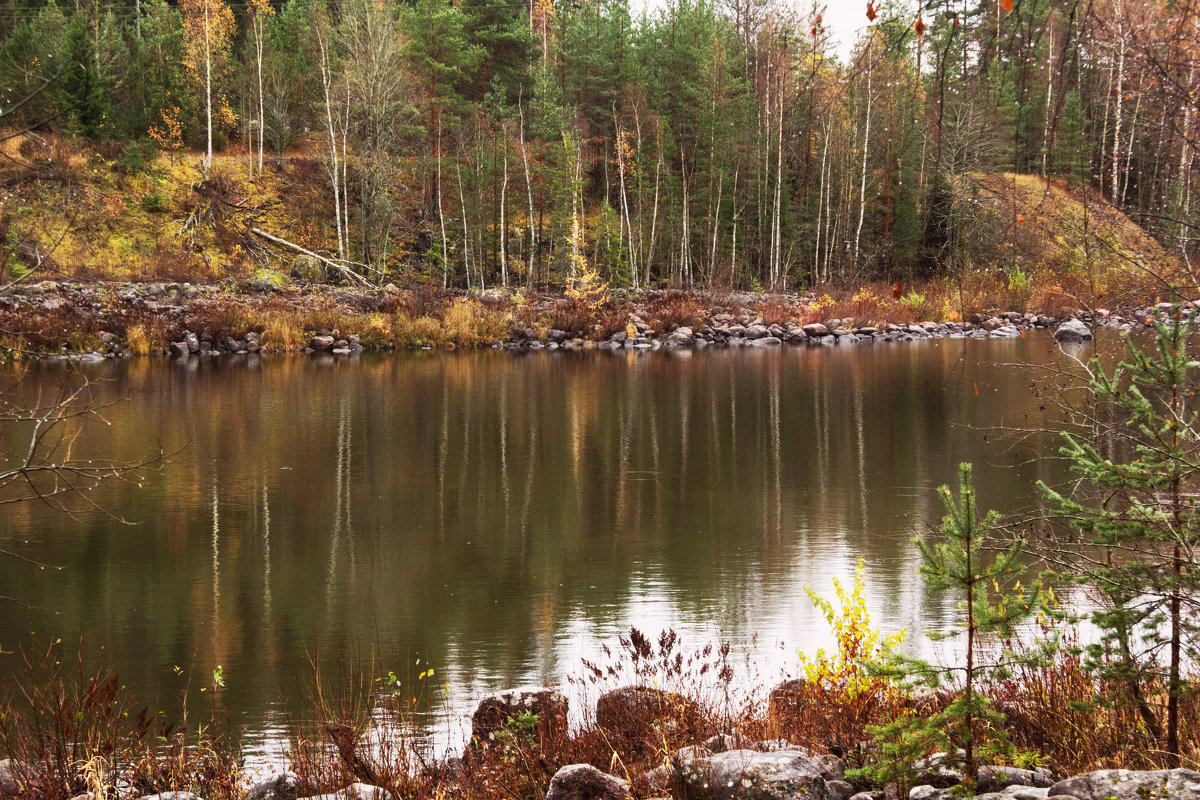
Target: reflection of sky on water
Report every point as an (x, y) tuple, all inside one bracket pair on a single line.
[(503, 517)]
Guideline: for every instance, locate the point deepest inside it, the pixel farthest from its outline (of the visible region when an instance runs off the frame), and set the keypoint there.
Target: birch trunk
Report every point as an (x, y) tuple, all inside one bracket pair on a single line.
[(862, 191), (334, 172)]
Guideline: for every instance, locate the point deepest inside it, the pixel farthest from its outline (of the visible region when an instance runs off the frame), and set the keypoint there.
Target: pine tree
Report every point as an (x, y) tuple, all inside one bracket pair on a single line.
[(1137, 508), (970, 730)]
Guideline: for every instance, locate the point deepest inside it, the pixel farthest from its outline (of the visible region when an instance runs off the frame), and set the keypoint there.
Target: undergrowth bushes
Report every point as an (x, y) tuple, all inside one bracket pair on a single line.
[(77, 728)]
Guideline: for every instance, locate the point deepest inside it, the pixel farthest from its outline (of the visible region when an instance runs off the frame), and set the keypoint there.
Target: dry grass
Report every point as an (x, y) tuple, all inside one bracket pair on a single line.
[(353, 725), (75, 728)]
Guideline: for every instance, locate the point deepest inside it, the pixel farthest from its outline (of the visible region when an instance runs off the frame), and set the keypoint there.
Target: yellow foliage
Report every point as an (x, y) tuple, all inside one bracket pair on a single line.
[(138, 340), (823, 302), (858, 644), (587, 290)]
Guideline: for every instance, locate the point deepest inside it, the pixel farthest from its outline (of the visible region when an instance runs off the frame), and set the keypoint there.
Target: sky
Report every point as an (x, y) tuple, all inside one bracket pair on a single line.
[(844, 19)]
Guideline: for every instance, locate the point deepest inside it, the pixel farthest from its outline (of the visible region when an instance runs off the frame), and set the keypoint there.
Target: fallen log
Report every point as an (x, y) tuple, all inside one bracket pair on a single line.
[(349, 273)]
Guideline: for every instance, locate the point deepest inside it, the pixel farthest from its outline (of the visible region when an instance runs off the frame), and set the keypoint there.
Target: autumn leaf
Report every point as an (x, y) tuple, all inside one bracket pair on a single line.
[(1020, 218), (919, 27), (871, 11), (1006, 5)]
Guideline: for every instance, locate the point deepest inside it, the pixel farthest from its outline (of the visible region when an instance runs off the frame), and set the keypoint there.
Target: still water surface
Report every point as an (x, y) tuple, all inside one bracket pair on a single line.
[(500, 516)]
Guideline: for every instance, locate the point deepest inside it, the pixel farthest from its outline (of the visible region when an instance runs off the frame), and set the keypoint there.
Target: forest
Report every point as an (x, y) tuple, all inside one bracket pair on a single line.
[(691, 144)]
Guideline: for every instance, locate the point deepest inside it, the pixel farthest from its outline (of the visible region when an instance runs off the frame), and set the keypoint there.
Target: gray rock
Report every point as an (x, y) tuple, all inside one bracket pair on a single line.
[(180, 349), (994, 778), (309, 270), (629, 705), (815, 329), (655, 781), (192, 341), (169, 796), (839, 790), (1125, 784), (751, 775), (1017, 793), (585, 782), (496, 711), (279, 786), (765, 341), (356, 791), (322, 344), (756, 332), (927, 792), (680, 337), (1073, 331)]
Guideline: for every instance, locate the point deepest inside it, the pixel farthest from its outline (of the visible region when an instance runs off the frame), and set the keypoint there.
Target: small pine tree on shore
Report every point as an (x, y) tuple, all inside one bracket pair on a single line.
[(969, 729), (1136, 508)]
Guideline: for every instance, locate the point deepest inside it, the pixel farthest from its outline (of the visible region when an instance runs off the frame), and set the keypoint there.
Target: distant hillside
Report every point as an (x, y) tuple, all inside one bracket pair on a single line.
[(1064, 240)]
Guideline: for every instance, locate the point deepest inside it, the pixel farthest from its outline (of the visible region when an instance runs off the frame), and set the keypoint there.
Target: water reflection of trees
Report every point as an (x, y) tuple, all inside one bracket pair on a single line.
[(473, 507)]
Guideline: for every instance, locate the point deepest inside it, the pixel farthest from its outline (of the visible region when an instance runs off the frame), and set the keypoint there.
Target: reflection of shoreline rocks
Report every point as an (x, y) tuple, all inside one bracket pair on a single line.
[(92, 321)]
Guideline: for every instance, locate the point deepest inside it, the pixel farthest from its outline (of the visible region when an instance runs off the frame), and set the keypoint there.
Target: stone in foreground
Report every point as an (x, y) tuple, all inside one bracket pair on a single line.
[(1073, 331), (279, 786), (495, 711), (1125, 784), (585, 782), (751, 775)]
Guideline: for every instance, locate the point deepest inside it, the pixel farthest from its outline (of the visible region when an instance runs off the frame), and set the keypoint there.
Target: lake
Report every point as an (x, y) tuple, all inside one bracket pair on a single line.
[(500, 516)]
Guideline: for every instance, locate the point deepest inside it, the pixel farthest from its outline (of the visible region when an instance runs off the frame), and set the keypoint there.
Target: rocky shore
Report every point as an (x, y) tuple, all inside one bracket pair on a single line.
[(725, 766), (94, 321)]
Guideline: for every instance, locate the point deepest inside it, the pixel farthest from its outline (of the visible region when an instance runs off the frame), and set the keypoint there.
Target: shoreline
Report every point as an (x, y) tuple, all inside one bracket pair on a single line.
[(91, 321)]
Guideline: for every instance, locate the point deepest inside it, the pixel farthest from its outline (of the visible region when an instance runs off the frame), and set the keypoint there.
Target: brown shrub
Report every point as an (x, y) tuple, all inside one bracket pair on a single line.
[(670, 310), (574, 317)]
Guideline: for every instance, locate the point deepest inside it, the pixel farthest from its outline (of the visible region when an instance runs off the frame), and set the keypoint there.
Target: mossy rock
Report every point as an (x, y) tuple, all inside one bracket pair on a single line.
[(268, 281), (308, 269)]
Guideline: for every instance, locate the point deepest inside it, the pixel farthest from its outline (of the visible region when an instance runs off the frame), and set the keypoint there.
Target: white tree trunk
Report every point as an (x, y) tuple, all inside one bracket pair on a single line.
[(503, 229), (1116, 140), (207, 87), (258, 46), (529, 196), (334, 172), (862, 191)]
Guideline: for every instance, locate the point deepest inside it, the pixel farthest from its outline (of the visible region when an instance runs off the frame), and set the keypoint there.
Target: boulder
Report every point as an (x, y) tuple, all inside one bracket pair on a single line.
[(815, 329), (12, 777), (1016, 793), (618, 709), (308, 269), (169, 796), (497, 711), (279, 786), (839, 790), (585, 782), (927, 792), (1073, 331), (655, 781), (766, 341), (756, 332), (680, 337), (995, 778), (322, 344), (268, 281), (751, 775), (1126, 784)]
